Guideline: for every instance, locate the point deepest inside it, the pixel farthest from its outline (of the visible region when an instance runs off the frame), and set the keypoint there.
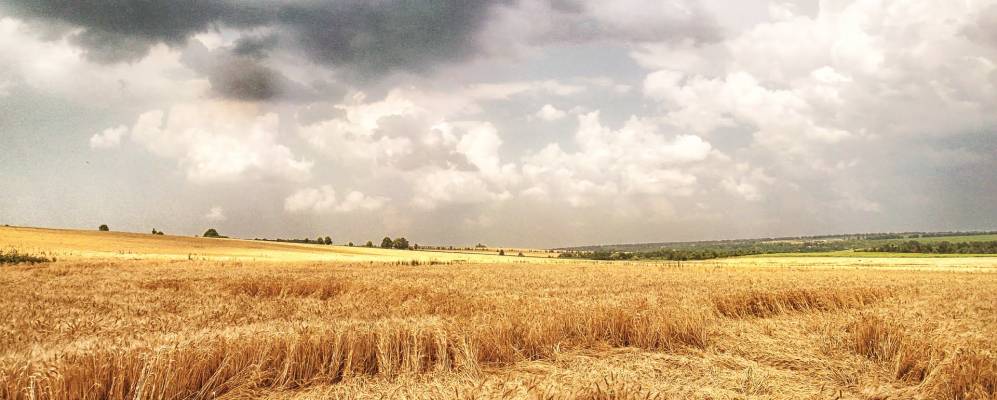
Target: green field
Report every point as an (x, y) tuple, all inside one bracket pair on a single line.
[(956, 239), (866, 254), (868, 245)]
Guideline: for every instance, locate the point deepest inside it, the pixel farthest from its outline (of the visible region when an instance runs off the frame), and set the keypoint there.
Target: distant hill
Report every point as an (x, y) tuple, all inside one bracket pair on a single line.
[(699, 250)]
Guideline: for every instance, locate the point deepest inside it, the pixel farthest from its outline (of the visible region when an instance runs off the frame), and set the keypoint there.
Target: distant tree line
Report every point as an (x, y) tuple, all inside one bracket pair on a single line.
[(943, 247), (397, 243), (704, 250), (787, 243), (387, 243), (319, 240), (670, 254)]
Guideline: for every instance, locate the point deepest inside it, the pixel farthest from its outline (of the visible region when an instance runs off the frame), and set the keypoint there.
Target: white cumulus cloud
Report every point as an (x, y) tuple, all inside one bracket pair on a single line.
[(220, 141), (322, 200), (636, 159), (550, 113), (109, 138)]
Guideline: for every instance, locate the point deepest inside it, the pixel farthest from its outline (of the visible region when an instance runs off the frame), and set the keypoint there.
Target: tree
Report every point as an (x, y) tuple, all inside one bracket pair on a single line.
[(321, 240), (501, 252), (520, 255), (155, 232), (211, 233), (103, 228), (400, 243), (369, 244), (350, 244), (328, 240), (386, 243)]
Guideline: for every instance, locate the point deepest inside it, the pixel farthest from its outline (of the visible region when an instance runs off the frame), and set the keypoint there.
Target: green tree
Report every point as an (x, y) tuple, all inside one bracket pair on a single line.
[(103, 228), (369, 244), (328, 240), (350, 244), (211, 233), (501, 252), (400, 243), (386, 243)]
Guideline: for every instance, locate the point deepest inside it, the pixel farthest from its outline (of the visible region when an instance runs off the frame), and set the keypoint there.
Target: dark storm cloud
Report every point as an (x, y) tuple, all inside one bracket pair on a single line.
[(122, 30), (255, 46), (107, 47), (369, 37), (245, 79), (242, 77), (380, 36), (676, 20)]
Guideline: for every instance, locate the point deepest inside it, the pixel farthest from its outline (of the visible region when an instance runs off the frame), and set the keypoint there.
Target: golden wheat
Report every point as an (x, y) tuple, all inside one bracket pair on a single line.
[(210, 329)]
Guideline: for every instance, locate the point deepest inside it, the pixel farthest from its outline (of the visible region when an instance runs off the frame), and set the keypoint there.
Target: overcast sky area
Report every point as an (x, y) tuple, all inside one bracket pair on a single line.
[(514, 123)]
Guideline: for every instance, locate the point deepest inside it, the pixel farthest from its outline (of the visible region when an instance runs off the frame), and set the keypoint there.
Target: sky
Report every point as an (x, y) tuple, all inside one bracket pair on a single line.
[(506, 122)]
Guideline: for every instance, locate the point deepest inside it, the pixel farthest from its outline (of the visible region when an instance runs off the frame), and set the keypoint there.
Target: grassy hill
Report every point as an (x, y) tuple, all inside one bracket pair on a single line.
[(828, 245), (82, 244)]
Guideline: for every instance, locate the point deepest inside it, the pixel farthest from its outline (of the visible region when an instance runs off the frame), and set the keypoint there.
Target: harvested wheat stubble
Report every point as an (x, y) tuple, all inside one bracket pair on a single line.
[(943, 369), (214, 364), (207, 366), (179, 330), (764, 303)]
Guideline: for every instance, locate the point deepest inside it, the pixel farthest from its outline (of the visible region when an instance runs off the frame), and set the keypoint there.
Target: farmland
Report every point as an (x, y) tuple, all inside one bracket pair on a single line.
[(89, 245), (909, 244), (140, 317)]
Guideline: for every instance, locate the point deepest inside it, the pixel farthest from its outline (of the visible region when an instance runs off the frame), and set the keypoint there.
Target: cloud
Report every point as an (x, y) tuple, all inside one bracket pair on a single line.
[(653, 20), (531, 23), (216, 214), (746, 182), (56, 68), (240, 72), (112, 32), (406, 129), (356, 136), (634, 160), (817, 92), (506, 90), (363, 37), (439, 187), (758, 126), (219, 141), (550, 113), (323, 200), (480, 146), (109, 138)]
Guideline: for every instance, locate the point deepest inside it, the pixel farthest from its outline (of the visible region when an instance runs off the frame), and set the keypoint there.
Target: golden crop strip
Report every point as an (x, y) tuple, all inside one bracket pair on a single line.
[(173, 328)]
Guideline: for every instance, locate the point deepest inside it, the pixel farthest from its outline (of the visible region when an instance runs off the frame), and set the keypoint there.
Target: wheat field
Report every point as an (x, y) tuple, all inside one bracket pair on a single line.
[(239, 328), (88, 245)]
